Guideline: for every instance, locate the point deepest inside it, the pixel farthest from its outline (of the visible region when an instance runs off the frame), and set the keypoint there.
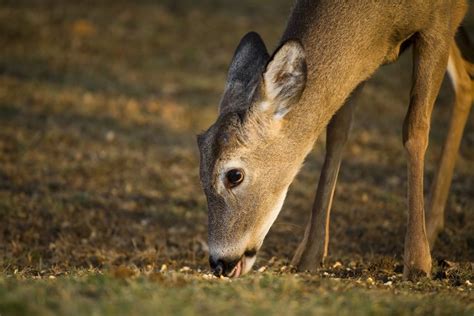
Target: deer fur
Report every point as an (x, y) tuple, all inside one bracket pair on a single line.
[(275, 107)]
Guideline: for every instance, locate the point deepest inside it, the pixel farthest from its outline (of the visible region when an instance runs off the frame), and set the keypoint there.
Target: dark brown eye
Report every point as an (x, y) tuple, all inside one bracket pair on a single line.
[(234, 177)]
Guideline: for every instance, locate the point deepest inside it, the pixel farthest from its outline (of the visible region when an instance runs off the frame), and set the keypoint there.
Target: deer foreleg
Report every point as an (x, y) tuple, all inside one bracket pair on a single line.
[(313, 249), (430, 56)]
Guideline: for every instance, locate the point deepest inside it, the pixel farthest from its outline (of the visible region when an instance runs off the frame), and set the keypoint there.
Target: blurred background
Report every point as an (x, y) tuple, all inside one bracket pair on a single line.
[(100, 102)]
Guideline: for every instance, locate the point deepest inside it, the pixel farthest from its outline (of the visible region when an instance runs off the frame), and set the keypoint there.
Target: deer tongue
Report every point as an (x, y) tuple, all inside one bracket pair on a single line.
[(238, 269)]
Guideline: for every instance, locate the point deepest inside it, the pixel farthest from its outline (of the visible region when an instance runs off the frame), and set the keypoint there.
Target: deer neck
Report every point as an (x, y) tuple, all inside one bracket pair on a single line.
[(338, 60)]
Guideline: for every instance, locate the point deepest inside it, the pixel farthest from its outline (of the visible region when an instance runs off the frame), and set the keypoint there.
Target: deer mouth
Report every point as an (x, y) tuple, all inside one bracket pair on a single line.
[(238, 269), (243, 266)]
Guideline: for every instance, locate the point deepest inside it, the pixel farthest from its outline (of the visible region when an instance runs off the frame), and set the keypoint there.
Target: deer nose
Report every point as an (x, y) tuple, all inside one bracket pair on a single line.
[(221, 267), (217, 266)]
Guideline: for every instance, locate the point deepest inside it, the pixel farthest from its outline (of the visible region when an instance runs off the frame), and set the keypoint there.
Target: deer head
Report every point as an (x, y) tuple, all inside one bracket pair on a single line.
[(250, 155)]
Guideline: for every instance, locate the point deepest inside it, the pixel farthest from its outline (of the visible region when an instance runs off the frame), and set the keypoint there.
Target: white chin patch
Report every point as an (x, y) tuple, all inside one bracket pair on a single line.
[(248, 263), (273, 215)]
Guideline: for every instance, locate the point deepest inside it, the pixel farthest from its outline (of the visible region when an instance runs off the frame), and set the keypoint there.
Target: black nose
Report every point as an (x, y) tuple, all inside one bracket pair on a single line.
[(222, 267)]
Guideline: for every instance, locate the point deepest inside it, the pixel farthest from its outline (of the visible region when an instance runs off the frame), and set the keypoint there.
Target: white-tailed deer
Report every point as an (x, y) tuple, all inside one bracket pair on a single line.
[(274, 108)]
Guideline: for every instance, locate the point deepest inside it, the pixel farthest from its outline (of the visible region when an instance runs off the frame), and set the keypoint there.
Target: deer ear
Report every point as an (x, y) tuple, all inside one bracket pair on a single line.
[(284, 79), (245, 70)]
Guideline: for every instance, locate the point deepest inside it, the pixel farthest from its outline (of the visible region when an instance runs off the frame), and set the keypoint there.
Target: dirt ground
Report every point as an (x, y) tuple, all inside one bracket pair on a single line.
[(100, 102)]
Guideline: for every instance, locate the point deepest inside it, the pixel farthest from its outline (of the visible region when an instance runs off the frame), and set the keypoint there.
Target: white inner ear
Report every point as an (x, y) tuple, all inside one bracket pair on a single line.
[(283, 79), (273, 87), (265, 105), (279, 110), (281, 113), (283, 64)]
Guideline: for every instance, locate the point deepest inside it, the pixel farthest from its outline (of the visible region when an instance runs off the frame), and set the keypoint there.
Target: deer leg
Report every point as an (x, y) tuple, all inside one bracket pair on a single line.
[(464, 94), (313, 249), (430, 56)]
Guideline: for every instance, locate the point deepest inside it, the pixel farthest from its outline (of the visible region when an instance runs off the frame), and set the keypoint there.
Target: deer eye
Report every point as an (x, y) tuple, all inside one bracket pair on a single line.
[(234, 177)]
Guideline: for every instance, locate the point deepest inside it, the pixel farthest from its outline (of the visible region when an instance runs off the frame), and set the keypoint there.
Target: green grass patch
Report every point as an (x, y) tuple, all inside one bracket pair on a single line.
[(178, 293)]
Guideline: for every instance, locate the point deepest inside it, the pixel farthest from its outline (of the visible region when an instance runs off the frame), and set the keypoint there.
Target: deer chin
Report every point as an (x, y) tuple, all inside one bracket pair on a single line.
[(243, 266)]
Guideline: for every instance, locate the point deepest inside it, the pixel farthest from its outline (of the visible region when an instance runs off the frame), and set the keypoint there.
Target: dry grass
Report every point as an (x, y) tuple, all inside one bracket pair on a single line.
[(99, 105)]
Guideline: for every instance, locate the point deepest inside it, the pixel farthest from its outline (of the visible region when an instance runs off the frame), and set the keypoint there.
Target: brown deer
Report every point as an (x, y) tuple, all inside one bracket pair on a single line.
[(274, 107)]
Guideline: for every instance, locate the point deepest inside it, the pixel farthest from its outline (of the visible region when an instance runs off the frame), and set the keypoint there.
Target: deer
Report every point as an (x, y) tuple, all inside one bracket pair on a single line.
[(274, 107)]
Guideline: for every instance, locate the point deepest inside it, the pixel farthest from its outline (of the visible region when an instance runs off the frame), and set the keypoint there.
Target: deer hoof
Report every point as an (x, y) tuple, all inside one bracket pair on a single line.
[(415, 274), (306, 263)]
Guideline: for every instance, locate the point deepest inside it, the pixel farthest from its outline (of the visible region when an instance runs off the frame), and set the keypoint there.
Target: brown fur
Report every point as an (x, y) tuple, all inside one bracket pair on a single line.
[(274, 109)]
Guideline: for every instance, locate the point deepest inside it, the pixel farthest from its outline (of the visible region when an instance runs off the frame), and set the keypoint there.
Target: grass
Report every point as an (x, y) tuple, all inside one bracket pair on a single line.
[(172, 293), (99, 107)]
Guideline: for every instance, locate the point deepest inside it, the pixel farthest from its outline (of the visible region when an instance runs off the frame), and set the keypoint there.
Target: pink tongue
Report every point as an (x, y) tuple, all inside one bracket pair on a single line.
[(238, 269)]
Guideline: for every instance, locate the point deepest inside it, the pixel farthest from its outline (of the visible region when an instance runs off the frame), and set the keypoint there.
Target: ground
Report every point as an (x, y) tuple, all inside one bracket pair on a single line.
[(101, 211)]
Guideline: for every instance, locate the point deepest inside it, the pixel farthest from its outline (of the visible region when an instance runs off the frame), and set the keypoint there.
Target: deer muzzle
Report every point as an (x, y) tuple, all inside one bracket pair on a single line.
[(232, 268)]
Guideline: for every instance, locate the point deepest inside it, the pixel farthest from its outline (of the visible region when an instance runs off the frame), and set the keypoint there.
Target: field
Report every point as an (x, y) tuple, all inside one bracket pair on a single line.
[(101, 210)]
